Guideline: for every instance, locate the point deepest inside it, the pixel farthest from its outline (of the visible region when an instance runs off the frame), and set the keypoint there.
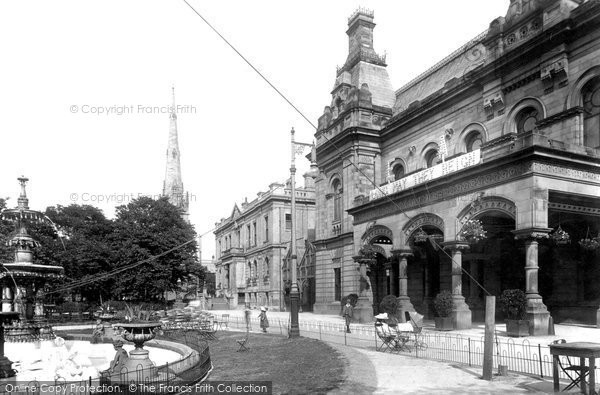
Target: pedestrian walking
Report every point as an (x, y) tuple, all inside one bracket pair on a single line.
[(347, 313), (264, 321)]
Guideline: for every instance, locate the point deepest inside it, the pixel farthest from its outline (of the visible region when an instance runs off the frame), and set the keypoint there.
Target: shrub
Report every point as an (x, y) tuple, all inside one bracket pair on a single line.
[(389, 305), (513, 303), (443, 304)]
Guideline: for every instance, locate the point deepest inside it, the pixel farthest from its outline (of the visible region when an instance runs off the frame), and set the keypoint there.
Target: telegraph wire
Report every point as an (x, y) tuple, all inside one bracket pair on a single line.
[(83, 282), (335, 145)]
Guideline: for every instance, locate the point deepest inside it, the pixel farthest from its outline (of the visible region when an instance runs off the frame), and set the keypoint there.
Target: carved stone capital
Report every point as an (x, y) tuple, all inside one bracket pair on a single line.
[(456, 245), (360, 259), (402, 253), (531, 233)]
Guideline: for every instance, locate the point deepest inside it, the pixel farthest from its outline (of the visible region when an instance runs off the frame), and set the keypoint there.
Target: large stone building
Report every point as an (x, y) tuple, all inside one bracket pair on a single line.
[(253, 248), (506, 131)]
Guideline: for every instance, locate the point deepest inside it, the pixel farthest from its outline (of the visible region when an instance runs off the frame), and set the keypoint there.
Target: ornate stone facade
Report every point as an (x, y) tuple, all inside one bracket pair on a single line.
[(514, 96), (253, 242)]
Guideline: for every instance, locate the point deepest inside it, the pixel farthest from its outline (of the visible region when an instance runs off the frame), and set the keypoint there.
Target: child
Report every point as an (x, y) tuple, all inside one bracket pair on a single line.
[(347, 313), (264, 321)]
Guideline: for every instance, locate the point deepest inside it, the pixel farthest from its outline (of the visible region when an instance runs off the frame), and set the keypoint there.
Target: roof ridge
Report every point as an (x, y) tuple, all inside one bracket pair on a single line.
[(471, 43)]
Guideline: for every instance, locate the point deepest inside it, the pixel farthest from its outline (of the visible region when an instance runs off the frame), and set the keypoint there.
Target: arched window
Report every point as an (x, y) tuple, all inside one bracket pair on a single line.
[(337, 200), (255, 270), (266, 267), (526, 119), (431, 158), (473, 141), (591, 113), (398, 171)]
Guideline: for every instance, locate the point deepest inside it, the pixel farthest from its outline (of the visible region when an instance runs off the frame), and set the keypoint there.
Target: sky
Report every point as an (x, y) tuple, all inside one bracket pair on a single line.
[(84, 87)]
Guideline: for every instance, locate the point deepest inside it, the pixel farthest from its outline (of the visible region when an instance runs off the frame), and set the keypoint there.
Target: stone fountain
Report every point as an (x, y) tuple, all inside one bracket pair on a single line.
[(22, 279), (139, 365)]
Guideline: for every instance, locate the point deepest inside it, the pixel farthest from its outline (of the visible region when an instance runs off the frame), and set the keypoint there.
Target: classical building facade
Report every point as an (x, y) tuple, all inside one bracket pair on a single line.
[(505, 133), (253, 247)]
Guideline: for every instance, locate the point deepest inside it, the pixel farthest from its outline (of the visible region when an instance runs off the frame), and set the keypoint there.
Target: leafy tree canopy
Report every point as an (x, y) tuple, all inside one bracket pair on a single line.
[(87, 244)]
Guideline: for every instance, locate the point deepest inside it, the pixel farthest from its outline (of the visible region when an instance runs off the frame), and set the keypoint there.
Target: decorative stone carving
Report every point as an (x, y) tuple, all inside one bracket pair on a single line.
[(376, 231), (412, 150), (424, 198), (485, 204), (555, 71), (532, 233), (493, 102), (423, 219)]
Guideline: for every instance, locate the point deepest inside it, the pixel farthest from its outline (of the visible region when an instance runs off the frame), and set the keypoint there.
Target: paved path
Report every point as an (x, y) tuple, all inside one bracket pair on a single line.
[(570, 332), (372, 372)]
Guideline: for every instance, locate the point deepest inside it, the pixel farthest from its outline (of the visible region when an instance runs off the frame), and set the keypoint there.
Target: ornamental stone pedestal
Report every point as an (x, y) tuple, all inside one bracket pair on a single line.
[(461, 314), (363, 311), (404, 303), (536, 311)]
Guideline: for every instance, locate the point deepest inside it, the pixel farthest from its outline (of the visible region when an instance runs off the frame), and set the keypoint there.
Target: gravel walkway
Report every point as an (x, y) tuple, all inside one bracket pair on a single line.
[(371, 372)]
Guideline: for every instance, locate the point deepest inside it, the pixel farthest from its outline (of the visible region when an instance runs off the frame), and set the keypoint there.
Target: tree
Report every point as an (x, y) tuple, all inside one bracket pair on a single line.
[(88, 247), (145, 228)]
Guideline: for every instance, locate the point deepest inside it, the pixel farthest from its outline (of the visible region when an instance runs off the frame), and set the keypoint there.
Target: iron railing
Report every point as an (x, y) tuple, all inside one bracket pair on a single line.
[(520, 356)]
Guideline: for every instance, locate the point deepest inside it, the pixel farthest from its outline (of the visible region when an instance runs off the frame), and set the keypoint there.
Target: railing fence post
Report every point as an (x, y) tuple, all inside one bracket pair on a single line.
[(540, 359), (469, 351), (320, 337)]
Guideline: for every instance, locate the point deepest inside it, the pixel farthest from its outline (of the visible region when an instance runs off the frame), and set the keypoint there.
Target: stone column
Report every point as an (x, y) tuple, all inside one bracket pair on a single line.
[(461, 314), (404, 303), (537, 312), (473, 288), (363, 312), (389, 267)]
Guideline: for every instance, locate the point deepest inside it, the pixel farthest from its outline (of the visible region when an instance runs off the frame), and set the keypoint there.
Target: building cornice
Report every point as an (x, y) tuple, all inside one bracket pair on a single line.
[(536, 159)]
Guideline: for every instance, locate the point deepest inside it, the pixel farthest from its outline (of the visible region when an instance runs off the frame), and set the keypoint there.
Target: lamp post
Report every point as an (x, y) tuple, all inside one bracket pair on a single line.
[(297, 148)]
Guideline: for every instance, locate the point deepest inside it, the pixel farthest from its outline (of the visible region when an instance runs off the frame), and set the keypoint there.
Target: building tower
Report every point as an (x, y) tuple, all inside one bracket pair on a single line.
[(361, 105), (173, 185)]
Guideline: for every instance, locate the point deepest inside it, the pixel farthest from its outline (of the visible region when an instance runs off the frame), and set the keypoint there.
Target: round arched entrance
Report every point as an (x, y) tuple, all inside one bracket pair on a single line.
[(381, 271), (424, 235), (496, 261)]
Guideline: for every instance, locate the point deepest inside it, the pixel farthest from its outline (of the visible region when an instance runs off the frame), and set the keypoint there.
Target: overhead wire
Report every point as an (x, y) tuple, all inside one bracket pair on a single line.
[(333, 144)]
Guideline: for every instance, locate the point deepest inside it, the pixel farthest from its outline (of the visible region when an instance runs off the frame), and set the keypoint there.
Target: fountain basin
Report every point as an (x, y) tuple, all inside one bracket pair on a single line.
[(76, 359)]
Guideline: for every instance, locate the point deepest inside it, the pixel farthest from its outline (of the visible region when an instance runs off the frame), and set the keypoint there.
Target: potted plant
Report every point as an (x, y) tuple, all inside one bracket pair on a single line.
[(105, 311), (590, 243), (443, 305), (514, 303), (472, 231)]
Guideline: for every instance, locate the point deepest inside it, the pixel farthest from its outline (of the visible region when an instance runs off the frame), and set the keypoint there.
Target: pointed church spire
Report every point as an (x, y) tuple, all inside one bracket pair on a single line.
[(173, 109), (173, 184)]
